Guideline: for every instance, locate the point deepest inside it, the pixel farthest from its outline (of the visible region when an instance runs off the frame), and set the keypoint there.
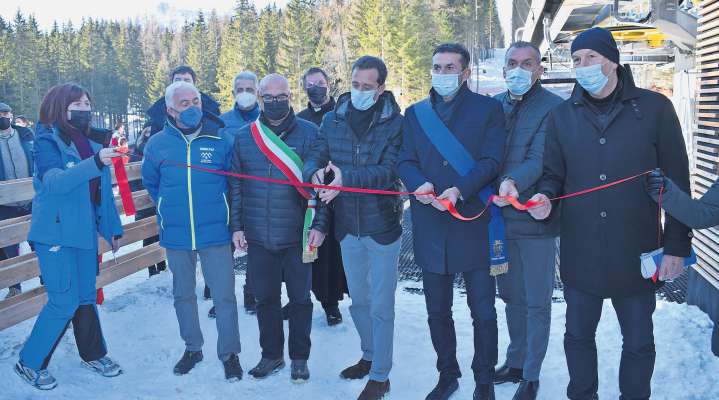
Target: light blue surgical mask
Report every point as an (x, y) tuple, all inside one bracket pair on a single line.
[(445, 84), (362, 99), (518, 80), (591, 78), (191, 117)]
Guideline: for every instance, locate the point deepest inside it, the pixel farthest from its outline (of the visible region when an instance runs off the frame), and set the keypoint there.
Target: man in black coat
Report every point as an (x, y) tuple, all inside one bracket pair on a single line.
[(267, 221), (328, 275), (608, 130), (359, 142)]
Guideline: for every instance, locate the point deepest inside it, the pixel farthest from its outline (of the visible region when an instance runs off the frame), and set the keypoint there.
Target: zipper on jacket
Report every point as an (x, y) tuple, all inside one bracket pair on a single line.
[(159, 213), (227, 206)]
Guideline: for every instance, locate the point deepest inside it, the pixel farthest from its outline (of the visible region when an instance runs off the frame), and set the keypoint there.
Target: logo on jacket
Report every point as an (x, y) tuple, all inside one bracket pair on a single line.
[(206, 155), (70, 164)]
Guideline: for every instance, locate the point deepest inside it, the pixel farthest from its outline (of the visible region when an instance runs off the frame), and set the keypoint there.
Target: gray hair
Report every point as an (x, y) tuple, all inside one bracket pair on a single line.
[(174, 87), (272, 78), (244, 76), (522, 45)]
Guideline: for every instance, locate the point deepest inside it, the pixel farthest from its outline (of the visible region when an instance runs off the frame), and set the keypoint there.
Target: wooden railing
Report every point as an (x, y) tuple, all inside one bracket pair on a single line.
[(22, 268)]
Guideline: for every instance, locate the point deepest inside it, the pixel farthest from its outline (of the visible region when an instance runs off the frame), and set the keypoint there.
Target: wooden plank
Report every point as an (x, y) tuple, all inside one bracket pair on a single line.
[(708, 30), (709, 74), (25, 267), (707, 50), (16, 190), (708, 106), (708, 123), (134, 171), (708, 7), (707, 18), (707, 57), (28, 304), (707, 115), (14, 231)]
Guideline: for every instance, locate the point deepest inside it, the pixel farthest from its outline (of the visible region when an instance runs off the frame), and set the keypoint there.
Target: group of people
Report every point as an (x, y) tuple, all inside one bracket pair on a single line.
[(452, 150)]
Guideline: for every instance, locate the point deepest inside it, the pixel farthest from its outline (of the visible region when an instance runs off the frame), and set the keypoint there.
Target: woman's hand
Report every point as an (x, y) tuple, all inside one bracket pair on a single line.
[(107, 154)]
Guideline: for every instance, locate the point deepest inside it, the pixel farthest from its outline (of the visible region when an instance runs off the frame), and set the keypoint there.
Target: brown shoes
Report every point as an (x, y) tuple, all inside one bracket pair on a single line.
[(374, 390), (357, 371)]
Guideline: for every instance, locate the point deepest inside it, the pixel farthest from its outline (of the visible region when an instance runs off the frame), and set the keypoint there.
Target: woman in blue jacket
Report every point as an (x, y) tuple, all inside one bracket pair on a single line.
[(73, 203)]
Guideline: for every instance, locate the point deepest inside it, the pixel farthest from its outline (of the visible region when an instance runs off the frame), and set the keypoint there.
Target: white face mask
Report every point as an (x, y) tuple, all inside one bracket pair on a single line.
[(362, 100), (445, 84), (519, 81), (246, 99)]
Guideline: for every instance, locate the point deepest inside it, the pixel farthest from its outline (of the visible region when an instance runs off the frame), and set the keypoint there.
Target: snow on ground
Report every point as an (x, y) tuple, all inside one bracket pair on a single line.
[(141, 330)]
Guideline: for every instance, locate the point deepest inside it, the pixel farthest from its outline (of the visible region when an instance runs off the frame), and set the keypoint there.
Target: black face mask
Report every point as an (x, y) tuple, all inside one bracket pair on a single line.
[(317, 94), (276, 110), (4, 123), (80, 119)]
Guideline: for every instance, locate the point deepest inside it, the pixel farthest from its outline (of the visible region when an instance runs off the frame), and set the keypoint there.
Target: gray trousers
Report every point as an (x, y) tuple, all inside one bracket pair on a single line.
[(217, 268), (527, 292), (371, 270)]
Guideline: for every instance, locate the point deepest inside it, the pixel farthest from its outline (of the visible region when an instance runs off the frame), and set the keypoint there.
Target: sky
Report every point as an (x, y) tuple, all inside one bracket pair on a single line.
[(167, 11)]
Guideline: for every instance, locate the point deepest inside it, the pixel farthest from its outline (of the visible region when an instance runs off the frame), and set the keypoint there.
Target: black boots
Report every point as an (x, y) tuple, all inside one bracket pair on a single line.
[(444, 389), (527, 390), (507, 374)]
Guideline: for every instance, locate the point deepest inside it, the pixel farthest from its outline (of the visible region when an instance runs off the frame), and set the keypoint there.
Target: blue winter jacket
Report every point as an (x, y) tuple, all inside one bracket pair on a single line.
[(236, 119), (192, 206), (62, 211)]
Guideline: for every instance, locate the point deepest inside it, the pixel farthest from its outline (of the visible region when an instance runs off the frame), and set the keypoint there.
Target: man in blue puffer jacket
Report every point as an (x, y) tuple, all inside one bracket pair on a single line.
[(193, 216)]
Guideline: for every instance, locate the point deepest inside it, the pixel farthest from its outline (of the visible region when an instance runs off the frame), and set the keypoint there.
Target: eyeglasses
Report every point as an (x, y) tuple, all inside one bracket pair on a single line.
[(269, 99)]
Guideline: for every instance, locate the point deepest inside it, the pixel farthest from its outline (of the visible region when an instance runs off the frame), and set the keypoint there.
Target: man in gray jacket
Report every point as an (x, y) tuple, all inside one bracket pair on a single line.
[(527, 287)]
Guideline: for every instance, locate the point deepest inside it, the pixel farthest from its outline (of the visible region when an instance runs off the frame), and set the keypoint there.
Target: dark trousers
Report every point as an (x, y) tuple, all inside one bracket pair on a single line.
[(10, 252), (267, 269), (438, 293), (637, 361)]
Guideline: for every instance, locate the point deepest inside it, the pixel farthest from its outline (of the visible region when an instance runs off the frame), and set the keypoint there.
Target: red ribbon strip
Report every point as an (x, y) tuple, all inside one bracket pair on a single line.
[(444, 202), (122, 184)]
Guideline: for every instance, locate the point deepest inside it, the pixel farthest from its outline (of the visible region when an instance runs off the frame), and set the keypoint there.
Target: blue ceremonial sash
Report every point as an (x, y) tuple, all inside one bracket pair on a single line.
[(462, 162)]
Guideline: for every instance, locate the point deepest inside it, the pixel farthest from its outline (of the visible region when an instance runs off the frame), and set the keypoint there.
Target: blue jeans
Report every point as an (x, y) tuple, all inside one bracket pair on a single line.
[(371, 270)]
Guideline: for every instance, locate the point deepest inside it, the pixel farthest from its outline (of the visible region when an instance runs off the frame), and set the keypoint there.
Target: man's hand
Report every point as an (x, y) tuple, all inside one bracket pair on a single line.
[(107, 154), (506, 188), (327, 195), (672, 266), (318, 178), (655, 183), (425, 198), (452, 194), (316, 238), (238, 239), (541, 211)]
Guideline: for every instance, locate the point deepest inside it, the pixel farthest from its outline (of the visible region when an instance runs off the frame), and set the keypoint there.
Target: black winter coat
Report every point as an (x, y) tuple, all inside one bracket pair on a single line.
[(603, 233), (367, 161), (271, 215)]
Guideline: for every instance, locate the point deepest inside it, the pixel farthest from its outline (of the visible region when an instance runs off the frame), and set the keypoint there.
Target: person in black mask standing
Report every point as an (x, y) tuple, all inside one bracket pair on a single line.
[(328, 276), (268, 221), (73, 203)]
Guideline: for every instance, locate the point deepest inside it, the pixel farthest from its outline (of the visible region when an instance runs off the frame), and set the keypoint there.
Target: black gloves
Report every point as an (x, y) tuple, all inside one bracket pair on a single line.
[(655, 182)]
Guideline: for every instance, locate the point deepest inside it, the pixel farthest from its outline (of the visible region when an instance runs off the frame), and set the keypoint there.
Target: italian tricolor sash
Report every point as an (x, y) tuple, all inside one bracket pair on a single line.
[(290, 164)]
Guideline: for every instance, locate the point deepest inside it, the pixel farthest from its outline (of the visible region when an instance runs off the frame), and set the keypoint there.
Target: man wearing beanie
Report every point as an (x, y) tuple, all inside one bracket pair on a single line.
[(607, 130)]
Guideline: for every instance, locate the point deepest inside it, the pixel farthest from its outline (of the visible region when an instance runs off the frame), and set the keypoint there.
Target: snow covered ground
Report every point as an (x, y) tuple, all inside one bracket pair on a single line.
[(141, 330)]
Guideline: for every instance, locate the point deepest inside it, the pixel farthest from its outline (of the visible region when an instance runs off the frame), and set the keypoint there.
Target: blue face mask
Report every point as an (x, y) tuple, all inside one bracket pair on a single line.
[(518, 80), (591, 78), (191, 117), (445, 84), (362, 100)]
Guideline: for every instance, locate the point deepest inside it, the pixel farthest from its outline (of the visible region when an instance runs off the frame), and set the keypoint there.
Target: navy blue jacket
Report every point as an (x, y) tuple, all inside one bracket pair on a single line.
[(62, 211), (271, 215), (443, 244), (192, 206)]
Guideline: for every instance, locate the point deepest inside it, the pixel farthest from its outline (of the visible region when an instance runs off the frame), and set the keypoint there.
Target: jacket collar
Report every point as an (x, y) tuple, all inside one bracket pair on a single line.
[(390, 108)]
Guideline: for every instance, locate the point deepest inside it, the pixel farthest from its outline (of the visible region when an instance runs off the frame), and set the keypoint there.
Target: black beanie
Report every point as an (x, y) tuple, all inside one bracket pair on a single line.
[(599, 40)]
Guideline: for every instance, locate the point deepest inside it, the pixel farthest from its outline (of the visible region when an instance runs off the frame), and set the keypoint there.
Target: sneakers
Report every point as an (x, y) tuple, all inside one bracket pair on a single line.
[(357, 371), (374, 390), (187, 362), (444, 389), (506, 374), (233, 370), (212, 314), (267, 367), (299, 371), (334, 316), (104, 366), (12, 292), (40, 379)]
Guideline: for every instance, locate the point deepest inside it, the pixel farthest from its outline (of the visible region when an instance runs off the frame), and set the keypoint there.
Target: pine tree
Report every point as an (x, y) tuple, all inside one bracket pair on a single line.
[(300, 34), (268, 40), (199, 52)]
